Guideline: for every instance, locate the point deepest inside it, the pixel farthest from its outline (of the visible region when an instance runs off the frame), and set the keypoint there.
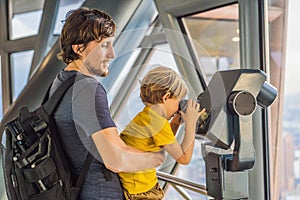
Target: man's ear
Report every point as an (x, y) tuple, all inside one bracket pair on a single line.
[(76, 48), (166, 96)]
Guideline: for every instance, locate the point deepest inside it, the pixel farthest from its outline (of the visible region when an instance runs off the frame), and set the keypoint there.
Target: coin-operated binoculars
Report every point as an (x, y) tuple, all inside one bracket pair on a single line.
[(230, 99)]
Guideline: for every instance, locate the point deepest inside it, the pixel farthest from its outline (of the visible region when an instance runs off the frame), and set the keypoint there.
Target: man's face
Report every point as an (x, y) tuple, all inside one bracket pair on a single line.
[(97, 55)]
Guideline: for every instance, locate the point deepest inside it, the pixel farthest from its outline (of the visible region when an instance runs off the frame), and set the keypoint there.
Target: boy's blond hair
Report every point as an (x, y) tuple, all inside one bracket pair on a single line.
[(160, 80)]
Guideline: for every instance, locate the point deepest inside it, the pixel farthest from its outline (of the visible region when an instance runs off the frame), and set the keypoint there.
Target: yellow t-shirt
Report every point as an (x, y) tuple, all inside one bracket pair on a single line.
[(148, 131)]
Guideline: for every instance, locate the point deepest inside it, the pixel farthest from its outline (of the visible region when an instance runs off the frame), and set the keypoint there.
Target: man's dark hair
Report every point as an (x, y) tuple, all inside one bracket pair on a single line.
[(82, 26)]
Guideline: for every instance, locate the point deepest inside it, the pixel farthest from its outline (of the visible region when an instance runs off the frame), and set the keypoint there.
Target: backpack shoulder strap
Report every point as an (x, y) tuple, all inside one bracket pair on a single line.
[(52, 102), (84, 170), (50, 106)]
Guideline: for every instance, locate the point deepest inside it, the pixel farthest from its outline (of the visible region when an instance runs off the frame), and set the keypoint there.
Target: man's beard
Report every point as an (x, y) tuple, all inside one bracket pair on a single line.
[(106, 73)]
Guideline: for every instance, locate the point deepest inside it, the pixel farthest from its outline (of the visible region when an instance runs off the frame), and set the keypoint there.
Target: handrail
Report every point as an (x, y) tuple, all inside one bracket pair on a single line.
[(183, 183)]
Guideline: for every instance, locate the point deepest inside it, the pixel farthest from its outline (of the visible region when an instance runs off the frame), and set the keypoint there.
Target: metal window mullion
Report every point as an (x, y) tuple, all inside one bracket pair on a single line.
[(251, 37), (5, 74), (23, 44), (45, 32)]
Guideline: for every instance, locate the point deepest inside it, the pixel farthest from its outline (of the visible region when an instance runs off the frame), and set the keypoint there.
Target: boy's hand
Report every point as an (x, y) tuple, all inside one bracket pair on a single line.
[(192, 113)]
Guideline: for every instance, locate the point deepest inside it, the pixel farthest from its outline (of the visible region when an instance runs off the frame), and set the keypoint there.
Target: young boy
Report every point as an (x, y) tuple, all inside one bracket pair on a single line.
[(161, 91)]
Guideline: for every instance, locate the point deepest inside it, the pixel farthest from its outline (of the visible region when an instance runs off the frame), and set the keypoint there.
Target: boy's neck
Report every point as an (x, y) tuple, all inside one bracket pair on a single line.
[(158, 108)]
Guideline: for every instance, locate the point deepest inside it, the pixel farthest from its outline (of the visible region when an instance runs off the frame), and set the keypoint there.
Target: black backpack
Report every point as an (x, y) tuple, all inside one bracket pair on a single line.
[(34, 165)]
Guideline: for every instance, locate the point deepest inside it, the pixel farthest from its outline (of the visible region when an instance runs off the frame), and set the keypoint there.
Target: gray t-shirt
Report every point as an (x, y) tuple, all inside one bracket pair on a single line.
[(83, 111)]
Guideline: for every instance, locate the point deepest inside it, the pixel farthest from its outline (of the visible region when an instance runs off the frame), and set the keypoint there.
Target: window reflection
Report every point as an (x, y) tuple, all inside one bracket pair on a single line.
[(215, 38), (20, 67), (132, 103), (115, 84), (195, 171)]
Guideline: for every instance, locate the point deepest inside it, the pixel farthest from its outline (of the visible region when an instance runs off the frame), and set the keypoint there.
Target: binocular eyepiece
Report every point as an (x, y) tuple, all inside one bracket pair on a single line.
[(183, 105), (203, 121)]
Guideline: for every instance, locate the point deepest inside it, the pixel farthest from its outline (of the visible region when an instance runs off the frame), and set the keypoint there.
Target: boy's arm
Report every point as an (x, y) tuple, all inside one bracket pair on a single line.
[(175, 122), (183, 153), (177, 152), (119, 157)]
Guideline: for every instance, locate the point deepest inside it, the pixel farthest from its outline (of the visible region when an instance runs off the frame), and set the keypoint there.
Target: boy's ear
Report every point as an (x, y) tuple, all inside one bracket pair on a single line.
[(76, 48), (166, 96)]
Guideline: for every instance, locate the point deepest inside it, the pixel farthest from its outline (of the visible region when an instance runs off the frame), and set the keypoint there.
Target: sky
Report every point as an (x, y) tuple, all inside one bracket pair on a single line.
[(292, 73)]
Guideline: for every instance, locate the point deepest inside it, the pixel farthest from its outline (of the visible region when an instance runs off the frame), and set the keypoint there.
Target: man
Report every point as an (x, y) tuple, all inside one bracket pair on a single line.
[(83, 117)]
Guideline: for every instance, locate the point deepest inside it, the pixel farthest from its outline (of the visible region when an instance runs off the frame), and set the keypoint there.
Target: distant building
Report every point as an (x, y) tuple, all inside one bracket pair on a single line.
[(297, 166), (288, 163)]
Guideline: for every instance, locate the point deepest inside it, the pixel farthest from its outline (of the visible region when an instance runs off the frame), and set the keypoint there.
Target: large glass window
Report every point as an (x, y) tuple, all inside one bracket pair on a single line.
[(26, 18), (289, 157), (214, 36), (116, 83), (20, 67), (193, 172)]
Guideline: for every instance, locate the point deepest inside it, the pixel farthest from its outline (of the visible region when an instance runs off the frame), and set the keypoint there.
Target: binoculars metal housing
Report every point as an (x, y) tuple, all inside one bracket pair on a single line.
[(230, 99)]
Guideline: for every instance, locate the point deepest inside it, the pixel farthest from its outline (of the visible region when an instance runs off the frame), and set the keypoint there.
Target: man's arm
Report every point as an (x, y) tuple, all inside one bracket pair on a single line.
[(119, 157)]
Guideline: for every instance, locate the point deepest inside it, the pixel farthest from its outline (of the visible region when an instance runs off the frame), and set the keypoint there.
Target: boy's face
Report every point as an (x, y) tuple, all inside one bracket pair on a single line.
[(171, 106)]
